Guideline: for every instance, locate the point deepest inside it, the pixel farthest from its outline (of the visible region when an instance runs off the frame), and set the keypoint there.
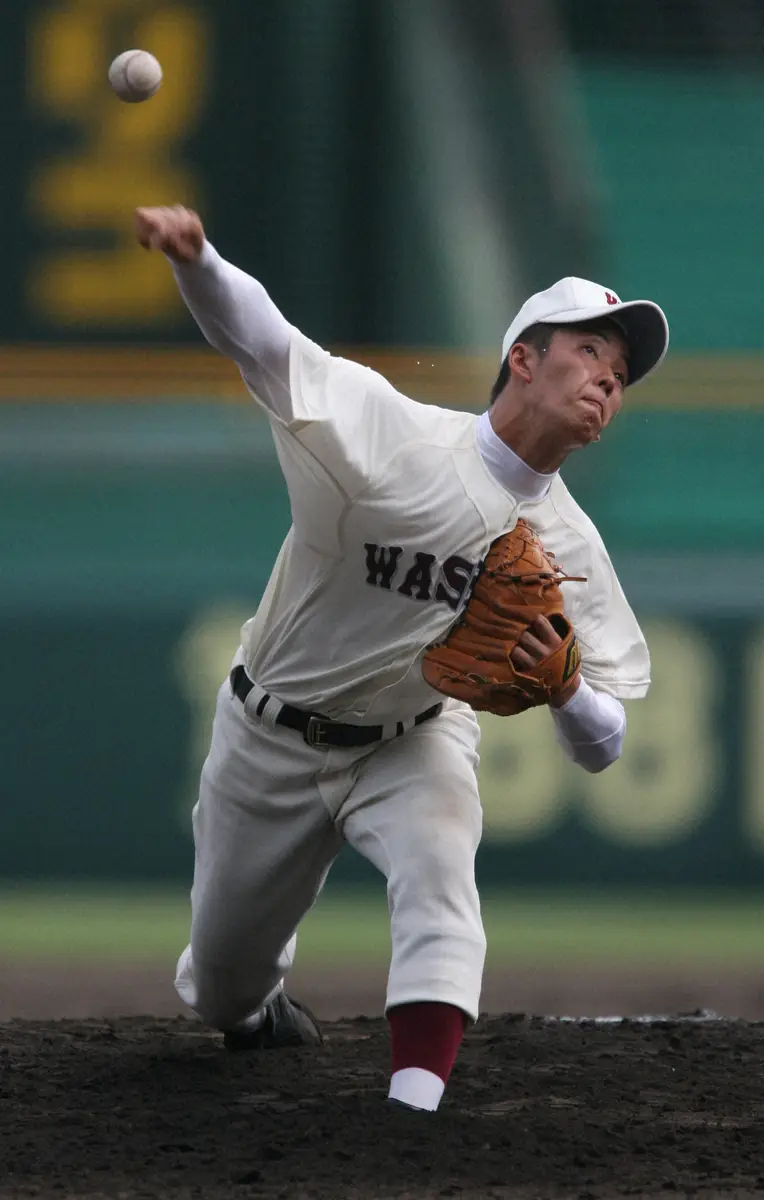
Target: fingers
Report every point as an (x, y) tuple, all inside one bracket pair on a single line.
[(533, 646), (522, 660), (178, 247), (546, 633), (537, 642), (175, 231)]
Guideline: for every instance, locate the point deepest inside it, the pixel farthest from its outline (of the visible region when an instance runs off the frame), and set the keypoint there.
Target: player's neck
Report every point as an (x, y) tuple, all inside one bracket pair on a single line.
[(538, 448)]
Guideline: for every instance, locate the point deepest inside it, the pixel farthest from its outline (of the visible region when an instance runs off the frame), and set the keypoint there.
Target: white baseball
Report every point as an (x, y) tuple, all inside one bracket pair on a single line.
[(135, 75)]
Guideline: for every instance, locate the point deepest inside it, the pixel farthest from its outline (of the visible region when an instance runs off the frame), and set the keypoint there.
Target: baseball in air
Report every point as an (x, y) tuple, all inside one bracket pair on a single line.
[(135, 75)]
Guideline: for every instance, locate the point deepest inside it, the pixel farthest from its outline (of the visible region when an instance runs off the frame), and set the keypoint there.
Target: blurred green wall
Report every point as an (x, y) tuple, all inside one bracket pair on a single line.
[(679, 157), (397, 174), (136, 539), (320, 141)]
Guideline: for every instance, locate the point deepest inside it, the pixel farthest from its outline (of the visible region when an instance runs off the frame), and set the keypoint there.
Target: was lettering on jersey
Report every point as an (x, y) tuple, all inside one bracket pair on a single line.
[(423, 578)]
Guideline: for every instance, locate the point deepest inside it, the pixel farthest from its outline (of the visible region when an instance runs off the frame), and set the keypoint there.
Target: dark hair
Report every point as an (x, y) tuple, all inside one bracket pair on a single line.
[(539, 336), (501, 382)]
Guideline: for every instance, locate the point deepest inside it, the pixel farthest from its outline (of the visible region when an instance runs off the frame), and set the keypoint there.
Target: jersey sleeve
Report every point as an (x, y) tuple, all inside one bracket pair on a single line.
[(344, 415), (336, 423), (239, 319), (346, 422), (349, 417), (614, 654)]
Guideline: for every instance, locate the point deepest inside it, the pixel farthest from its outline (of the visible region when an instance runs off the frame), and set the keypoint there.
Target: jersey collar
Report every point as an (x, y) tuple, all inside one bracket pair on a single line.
[(508, 468)]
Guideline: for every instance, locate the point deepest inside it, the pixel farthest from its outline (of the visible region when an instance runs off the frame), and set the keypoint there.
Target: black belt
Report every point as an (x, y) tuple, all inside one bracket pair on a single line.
[(321, 731)]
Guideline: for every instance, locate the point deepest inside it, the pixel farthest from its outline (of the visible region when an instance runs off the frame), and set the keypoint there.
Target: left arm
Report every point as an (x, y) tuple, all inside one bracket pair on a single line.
[(589, 725)]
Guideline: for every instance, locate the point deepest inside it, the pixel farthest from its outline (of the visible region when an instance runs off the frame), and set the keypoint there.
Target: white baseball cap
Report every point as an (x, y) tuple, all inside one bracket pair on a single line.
[(569, 300)]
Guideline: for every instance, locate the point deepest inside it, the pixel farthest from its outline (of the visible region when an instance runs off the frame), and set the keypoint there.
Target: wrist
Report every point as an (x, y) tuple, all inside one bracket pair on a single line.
[(566, 694), (206, 255), (205, 258)]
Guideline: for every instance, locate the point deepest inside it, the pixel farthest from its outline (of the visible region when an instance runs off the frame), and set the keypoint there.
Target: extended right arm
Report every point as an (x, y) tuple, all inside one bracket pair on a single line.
[(335, 421), (233, 311)]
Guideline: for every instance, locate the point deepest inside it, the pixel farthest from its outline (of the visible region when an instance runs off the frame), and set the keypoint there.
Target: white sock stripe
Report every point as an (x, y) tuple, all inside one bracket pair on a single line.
[(417, 1087)]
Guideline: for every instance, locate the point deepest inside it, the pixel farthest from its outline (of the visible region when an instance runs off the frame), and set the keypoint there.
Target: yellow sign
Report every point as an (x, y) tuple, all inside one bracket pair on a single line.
[(114, 157)]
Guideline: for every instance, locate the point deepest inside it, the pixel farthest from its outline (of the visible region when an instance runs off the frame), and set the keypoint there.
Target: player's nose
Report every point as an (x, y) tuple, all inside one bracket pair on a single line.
[(607, 381), (612, 394)]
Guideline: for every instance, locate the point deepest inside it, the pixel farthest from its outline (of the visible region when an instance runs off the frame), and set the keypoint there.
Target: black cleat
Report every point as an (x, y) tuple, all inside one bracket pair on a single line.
[(286, 1023), (391, 1100)]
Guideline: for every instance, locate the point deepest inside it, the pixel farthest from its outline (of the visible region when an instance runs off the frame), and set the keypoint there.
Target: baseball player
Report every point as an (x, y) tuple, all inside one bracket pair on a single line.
[(326, 730)]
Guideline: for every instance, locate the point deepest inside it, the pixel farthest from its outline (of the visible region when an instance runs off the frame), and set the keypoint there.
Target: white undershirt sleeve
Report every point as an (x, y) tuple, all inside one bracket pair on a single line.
[(239, 319), (590, 728)]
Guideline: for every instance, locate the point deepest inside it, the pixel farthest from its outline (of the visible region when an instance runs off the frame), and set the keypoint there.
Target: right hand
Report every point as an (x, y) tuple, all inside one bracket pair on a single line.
[(537, 643), (178, 232)]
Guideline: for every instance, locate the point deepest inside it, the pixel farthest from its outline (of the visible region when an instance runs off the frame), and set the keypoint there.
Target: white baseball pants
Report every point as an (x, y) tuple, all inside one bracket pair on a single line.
[(272, 815)]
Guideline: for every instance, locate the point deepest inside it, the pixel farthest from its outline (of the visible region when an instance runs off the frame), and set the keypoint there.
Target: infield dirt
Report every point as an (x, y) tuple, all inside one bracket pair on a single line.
[(147, 1107)]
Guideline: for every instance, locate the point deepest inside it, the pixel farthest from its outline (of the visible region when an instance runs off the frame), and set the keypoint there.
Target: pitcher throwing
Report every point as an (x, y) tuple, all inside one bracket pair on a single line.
[(436, 564)]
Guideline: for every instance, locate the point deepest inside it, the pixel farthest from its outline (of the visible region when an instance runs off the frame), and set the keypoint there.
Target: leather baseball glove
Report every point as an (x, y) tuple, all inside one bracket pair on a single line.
[(517, 583)]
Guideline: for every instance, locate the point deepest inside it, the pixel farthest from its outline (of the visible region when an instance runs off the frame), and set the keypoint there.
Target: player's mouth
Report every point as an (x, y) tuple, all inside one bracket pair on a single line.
[(593, 403)]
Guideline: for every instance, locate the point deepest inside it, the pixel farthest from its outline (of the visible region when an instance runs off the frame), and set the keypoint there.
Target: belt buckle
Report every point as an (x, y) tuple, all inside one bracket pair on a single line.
[(315, 733)]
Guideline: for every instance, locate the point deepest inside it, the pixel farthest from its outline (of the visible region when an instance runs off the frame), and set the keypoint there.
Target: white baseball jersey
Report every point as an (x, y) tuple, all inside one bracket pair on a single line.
[(394, 508), (394, 505), (393, 512)]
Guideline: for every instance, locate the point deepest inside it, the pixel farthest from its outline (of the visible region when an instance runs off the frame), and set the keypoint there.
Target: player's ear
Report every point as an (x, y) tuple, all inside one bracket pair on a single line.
[(522, 359)]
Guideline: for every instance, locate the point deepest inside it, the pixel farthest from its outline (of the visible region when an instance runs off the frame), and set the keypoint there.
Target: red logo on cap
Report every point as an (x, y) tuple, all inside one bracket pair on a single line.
[(611, 299)]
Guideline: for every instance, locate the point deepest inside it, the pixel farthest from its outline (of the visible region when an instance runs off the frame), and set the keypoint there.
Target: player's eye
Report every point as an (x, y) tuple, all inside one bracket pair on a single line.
[(621, 379), (589, 349)]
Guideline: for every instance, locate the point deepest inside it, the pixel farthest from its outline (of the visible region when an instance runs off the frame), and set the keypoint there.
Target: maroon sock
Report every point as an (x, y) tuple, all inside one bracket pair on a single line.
[(426, 1035)]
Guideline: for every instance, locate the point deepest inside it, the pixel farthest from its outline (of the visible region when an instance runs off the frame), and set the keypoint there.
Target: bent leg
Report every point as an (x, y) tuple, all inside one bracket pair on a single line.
[(264, 844)]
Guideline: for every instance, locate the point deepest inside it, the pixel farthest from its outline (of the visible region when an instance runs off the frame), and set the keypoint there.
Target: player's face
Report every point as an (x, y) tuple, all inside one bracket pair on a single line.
[(581, 379)]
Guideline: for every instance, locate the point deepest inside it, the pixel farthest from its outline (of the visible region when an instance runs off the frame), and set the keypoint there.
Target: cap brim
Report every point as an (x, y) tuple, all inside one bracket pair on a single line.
[(644, 326)]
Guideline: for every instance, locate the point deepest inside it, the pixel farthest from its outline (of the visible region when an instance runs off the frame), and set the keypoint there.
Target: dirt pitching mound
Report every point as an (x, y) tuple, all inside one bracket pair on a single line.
[(147, 1108)]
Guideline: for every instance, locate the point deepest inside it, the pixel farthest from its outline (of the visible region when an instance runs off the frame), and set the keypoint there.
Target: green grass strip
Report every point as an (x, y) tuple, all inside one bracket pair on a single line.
[(543, 928)]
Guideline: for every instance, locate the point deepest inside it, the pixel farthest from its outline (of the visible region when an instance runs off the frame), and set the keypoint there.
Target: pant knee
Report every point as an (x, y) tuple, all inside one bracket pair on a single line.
[(222, 1007), (223, 998)]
